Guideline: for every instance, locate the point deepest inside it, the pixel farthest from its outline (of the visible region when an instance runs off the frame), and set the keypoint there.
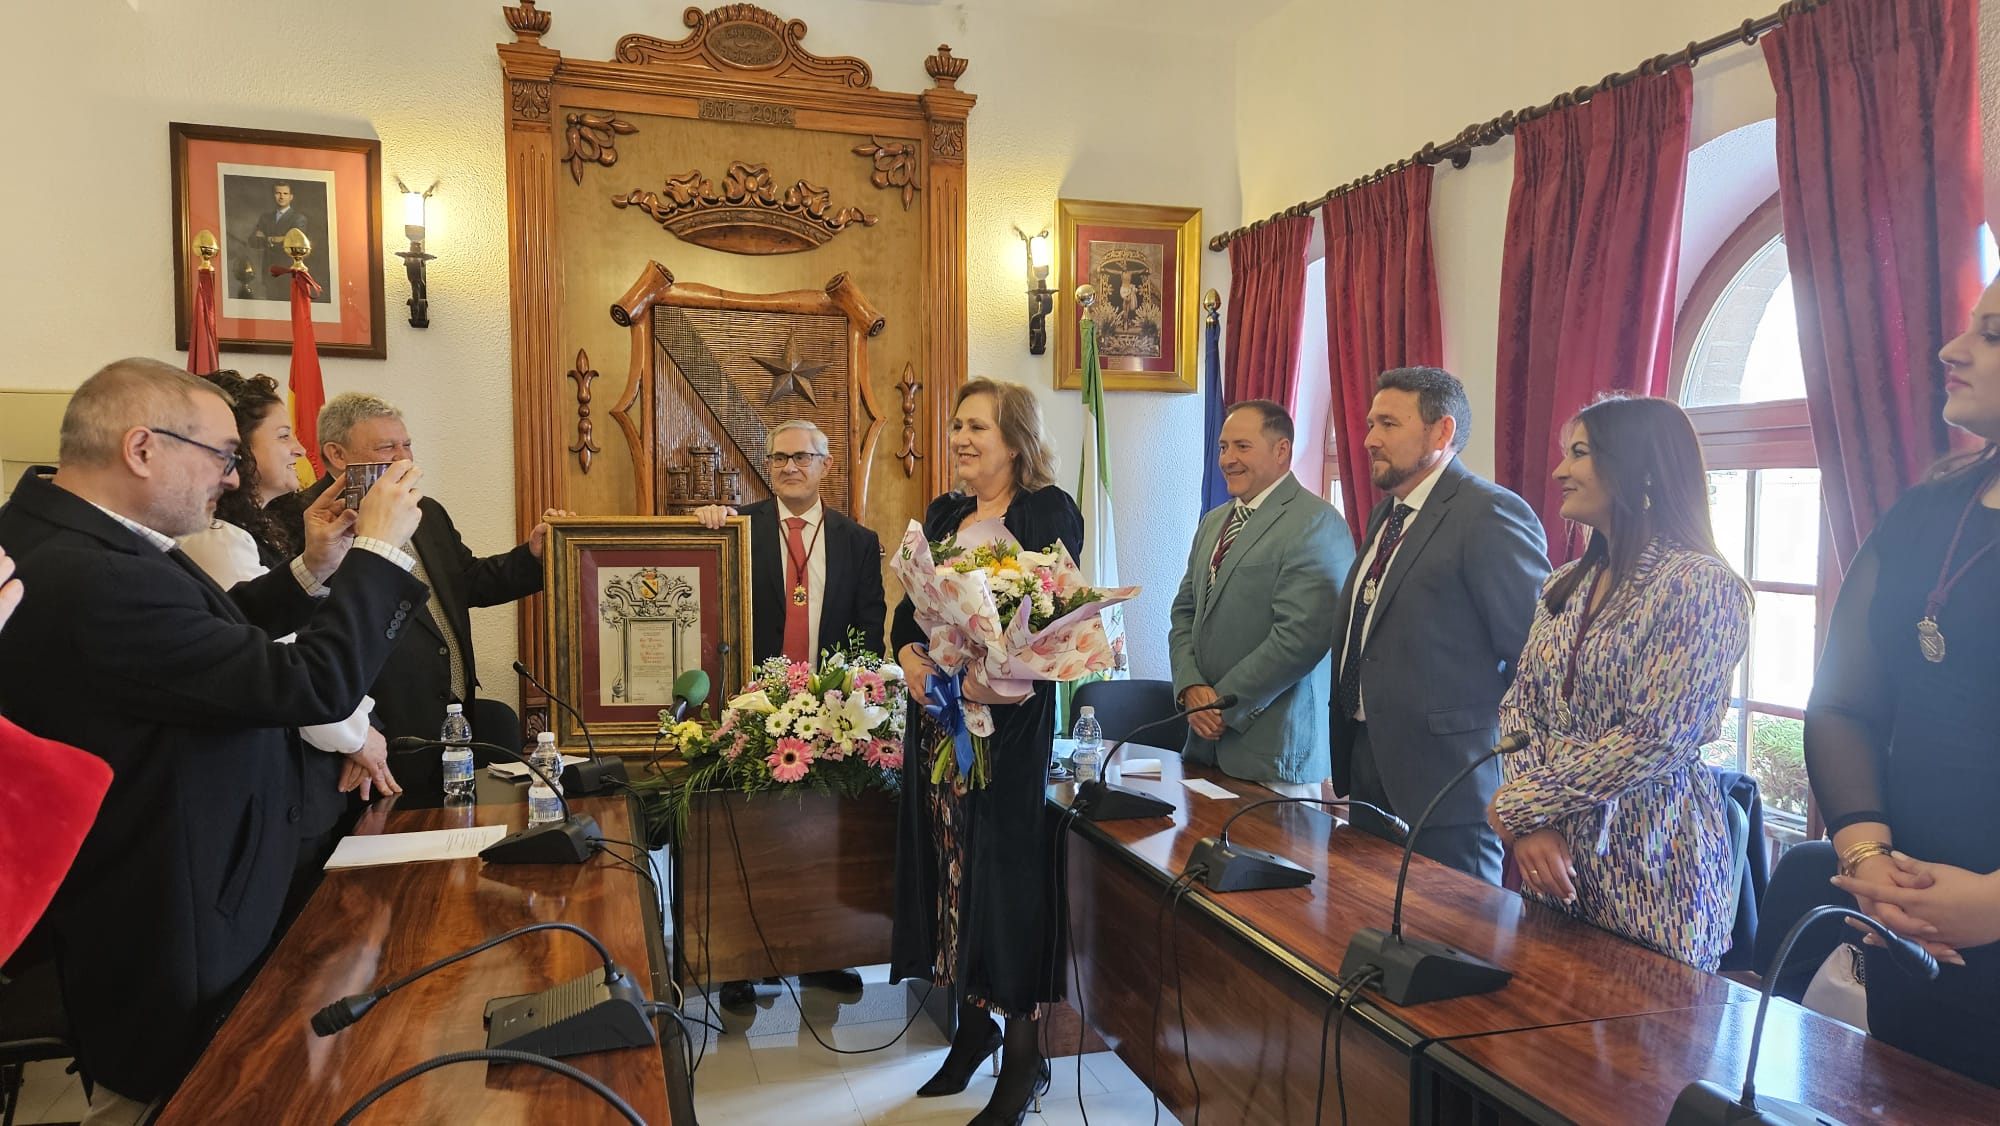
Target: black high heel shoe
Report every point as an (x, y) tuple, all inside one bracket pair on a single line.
[(997, 1115), (963, 1059)]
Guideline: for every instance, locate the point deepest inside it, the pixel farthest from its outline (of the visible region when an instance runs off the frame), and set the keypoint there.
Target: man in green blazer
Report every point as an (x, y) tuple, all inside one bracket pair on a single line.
[(1262, 582)]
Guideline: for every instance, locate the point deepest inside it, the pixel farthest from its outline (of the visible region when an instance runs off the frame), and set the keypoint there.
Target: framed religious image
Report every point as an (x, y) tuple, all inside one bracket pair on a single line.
[(634, 603), (251, 186), (1145, 264)]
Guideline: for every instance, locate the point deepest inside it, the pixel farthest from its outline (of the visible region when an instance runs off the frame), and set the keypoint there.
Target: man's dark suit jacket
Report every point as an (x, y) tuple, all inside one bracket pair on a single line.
[(136, 656), (411, 694), (1450, 621), (853, 598)]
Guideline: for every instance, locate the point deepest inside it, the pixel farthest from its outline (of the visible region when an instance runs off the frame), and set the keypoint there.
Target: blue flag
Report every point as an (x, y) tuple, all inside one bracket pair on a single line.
[(1213, 491)]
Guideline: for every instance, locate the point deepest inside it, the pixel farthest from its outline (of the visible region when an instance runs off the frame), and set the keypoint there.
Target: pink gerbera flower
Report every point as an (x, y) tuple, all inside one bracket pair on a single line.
[(798, 676), (887, 754), (790, 759)]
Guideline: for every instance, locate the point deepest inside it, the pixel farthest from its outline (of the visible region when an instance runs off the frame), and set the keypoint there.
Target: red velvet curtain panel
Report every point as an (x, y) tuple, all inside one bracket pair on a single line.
[(1880, 178), (1381, 310), (1267, 306), (1587, 273)]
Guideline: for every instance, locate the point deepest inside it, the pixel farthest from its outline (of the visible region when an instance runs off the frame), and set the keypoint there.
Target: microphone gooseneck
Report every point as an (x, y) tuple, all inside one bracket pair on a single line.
[(1908, 956), (344, 1012), (588, 743), (406, 743), (1401, 826), (1508, 744)]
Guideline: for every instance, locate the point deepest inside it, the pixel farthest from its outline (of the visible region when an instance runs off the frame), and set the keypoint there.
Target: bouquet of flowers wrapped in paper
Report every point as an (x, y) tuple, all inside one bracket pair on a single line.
[(838, 730), (1003, 617)]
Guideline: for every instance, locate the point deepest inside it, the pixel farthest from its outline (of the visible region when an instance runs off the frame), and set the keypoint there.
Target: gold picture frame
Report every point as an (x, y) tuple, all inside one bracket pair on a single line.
[(1145, 262), (633, 602)]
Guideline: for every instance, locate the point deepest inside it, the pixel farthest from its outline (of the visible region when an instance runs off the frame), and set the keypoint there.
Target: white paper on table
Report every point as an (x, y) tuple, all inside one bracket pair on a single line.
[(1207, 789), (516, 772), (1140, 766), (408, 848)]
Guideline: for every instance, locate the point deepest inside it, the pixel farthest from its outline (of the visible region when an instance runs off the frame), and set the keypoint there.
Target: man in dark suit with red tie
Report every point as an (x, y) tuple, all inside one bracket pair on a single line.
[(815, 576)]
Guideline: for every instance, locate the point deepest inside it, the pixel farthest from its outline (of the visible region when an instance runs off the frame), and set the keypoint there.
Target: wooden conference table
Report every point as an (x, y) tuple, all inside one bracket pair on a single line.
[(365, 926), (1592, 1029)]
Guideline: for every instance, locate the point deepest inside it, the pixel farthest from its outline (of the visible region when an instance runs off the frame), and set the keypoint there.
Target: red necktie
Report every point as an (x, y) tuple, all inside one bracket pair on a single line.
[(798, 626)]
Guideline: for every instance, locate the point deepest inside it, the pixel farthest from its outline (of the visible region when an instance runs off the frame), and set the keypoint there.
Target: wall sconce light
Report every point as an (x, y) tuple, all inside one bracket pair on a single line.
[(1041, 299), (415, 261)]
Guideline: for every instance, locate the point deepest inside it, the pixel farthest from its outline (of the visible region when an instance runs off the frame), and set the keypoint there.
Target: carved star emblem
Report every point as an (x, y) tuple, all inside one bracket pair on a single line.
[(790, 375)]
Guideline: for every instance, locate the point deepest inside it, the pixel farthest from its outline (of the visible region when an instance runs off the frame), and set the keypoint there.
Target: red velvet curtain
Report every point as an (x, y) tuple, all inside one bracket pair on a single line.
[(1587, 275), (1381, 309), (1880, 178), (1267, 307)]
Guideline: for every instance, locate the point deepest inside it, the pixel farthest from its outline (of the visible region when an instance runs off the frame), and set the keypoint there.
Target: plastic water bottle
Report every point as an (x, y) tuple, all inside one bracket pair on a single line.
[(1089, 753), (457, 740), (544, 803)]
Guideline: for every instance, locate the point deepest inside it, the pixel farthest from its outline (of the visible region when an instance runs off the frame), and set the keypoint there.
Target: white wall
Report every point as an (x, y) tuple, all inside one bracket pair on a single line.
[(90, 275), (1328, 92)]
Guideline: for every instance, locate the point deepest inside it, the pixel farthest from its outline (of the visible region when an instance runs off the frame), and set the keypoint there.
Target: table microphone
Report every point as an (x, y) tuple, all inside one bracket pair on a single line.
[(1414, 971), (1227, 867), (597, 775), (690, 692), (1098, 800), (571, 840), (1702, 1102), (597, 1012)]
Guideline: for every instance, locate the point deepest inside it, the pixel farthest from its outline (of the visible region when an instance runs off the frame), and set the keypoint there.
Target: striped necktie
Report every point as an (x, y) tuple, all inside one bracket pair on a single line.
[(1230, 527)]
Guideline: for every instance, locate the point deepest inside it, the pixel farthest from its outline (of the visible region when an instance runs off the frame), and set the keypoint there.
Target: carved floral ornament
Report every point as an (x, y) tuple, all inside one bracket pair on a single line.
[(895, 166), (745, 214), (593, 139), (530, 99), (948, 140)]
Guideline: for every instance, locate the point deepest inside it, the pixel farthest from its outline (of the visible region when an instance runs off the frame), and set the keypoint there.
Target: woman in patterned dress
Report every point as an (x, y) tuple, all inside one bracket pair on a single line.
[(977, 907), (1610, 812)]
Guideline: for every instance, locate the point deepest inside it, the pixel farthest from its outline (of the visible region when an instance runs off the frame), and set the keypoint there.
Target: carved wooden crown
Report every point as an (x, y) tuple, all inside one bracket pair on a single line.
[(745, 214), (528, 23), (943, 68)]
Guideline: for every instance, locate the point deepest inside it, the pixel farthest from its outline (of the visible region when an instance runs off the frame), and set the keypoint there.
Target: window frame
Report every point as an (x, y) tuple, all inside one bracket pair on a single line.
[(1752, 437)]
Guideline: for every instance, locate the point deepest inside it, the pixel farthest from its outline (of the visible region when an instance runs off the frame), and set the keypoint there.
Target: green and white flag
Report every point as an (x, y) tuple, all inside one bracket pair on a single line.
[(1093, 496)]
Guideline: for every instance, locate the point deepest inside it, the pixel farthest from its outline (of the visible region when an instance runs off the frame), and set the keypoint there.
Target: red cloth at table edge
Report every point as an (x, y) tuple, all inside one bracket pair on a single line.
[(47, 804)]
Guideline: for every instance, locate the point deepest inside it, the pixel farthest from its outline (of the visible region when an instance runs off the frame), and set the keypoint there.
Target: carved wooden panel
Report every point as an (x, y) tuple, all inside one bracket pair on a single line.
[(737, 87)]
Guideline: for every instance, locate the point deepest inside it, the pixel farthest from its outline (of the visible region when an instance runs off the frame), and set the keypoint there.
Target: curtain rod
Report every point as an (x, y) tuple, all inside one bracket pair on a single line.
[(1458, 150)]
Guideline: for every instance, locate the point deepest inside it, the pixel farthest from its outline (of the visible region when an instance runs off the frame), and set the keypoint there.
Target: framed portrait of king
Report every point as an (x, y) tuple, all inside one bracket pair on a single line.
[(1144, 262), (634, 604), (250, 187)]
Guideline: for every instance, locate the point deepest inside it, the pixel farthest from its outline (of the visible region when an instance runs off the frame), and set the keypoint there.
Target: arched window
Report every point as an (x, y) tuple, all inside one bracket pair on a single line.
[(1737, 371)]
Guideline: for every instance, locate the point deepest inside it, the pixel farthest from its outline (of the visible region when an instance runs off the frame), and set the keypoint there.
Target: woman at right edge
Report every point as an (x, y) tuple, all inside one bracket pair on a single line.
[(1901, 742), (977, 908)]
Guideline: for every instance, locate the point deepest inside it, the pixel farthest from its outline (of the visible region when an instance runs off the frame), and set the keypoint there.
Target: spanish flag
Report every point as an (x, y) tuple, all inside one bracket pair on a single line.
[(308, 393)]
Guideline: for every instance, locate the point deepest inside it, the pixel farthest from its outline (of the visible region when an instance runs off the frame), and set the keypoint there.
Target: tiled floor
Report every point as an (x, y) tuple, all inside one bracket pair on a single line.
[(748, 1079), (49, 1095)]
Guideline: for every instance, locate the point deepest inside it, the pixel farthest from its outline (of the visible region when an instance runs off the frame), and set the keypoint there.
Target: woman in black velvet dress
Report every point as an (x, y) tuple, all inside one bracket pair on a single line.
[(977, 909), (1903, 732)]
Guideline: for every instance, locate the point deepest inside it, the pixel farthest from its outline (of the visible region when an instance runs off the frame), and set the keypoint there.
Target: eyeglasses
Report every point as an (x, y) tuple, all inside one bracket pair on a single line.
[(230, 458), (802, 460)]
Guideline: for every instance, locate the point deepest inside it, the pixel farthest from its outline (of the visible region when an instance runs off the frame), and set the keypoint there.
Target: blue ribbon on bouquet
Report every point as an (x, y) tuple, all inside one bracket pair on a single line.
[(949, 714)]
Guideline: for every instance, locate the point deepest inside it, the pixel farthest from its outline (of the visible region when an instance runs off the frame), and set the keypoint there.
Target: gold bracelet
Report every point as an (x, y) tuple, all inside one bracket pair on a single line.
[(1854, 854)]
